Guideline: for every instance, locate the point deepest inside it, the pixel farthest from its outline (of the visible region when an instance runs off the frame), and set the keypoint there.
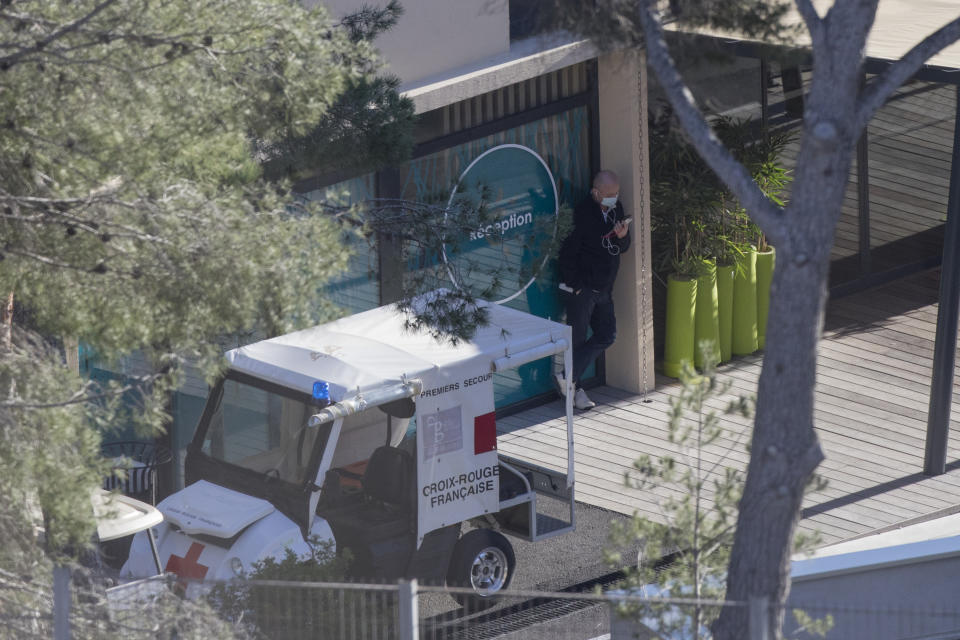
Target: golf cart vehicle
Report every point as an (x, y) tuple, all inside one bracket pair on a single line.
[(372, 436)]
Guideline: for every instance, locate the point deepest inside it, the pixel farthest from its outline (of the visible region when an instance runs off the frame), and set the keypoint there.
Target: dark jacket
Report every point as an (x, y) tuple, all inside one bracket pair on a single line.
[(584, 262)]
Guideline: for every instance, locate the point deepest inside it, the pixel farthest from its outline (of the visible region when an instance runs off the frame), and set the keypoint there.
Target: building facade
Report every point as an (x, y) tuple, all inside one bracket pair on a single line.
[(531, 106), (479, 81)]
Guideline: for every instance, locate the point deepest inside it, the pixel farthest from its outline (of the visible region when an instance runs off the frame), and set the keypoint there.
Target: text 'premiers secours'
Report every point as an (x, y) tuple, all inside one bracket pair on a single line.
[(455, 386)]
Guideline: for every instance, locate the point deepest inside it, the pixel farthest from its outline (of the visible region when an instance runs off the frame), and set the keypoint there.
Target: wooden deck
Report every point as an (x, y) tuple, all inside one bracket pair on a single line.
[(871, 410)]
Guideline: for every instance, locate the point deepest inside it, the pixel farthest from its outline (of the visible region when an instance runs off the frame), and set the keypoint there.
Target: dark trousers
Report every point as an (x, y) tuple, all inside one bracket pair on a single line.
[(593, 309)]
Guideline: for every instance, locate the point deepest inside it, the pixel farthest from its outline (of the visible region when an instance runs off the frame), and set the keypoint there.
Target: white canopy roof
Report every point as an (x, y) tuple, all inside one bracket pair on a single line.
[(373, 349)]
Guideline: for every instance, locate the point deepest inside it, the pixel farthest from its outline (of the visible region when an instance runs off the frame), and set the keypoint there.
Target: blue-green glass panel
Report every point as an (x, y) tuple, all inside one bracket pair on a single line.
[(356, 288), (563, 142)]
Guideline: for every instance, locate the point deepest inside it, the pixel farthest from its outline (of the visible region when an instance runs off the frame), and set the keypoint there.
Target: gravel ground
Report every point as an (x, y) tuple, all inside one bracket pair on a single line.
[(554, 564)]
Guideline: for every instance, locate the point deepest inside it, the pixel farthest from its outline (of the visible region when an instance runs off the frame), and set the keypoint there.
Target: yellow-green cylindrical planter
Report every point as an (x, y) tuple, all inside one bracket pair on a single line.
[(765, 264), (678, 345), (725, 275), (707, 320), (745, 305)]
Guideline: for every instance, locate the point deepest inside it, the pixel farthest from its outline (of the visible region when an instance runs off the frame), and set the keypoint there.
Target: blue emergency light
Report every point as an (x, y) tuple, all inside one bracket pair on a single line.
[(321, 391)]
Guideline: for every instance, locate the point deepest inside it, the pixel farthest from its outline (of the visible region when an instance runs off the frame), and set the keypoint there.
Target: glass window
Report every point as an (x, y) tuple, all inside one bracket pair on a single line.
[(910, 153), (261, 431), (357, 288)]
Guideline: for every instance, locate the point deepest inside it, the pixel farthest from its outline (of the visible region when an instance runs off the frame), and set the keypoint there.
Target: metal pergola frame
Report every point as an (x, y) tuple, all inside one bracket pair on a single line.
[(948, 313), (948, 317)]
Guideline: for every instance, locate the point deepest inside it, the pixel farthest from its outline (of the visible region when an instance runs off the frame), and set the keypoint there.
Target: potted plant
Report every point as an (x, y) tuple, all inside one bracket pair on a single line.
[(683, 265), (706, 333), (766, 259), (753, 256), (773, 179), (705, 247), (729, 252), (681, 192), (745, 339)]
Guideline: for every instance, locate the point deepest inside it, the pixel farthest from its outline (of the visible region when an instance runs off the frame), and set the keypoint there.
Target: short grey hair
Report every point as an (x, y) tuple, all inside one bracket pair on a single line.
[(604, 178)]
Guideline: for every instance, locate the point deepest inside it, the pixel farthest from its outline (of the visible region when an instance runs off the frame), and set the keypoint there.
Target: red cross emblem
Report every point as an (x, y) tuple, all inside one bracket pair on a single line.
[(187, 566)]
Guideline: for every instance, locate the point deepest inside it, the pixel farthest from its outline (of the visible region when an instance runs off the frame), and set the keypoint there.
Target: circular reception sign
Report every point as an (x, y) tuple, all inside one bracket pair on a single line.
[(507, 198)]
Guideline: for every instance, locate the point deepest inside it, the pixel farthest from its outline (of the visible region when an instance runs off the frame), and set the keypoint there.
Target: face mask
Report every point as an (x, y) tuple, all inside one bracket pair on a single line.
[(610, 202)]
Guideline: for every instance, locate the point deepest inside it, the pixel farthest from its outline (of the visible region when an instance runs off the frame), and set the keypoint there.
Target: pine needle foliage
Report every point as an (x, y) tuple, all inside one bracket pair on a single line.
[(141, 210), (684, 552)]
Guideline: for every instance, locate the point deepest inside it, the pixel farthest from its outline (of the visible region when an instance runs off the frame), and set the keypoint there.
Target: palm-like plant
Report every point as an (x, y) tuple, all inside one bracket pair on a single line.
[(693, 216)]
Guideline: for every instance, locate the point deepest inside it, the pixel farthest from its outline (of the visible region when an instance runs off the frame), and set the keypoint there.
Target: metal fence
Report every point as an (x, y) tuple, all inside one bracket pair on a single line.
[(408, 611), (253, 609)]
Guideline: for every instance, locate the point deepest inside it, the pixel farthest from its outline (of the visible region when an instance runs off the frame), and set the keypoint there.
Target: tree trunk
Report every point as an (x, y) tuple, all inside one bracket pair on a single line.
[(785, 450)]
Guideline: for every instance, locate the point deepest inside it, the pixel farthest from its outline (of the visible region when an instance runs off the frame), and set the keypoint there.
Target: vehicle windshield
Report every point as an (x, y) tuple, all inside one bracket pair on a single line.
[(263, 431)]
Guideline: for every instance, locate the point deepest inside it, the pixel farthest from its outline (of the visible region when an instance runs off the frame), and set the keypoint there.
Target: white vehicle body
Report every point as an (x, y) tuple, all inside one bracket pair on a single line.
[(304, 437)]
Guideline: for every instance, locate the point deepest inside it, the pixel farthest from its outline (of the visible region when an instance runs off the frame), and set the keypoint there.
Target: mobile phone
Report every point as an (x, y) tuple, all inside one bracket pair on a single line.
[(627, 220)]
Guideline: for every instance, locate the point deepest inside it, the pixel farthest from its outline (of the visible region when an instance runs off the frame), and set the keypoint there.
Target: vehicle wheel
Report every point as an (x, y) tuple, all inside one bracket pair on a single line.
[(482, 560)]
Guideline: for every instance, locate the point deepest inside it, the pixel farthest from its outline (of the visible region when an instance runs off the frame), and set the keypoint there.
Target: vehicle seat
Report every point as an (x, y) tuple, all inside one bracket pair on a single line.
[(387, 495), (388, 479), (379, 527)]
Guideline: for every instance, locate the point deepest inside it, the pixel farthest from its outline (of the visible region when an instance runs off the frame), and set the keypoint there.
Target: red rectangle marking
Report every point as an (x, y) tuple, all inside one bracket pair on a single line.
[(485, 433)]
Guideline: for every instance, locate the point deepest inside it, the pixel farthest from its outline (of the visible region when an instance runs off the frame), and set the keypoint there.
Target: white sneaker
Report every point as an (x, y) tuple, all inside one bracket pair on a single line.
[(581, 401)]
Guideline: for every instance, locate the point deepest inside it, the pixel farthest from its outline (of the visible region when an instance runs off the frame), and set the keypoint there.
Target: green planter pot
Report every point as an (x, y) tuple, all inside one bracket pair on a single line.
[(765, 265), (725, 310), (681, 304), (745, 306), (707, 321)]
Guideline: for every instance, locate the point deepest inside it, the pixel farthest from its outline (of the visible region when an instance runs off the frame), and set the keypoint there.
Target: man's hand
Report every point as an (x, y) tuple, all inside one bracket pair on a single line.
[(620, 229)]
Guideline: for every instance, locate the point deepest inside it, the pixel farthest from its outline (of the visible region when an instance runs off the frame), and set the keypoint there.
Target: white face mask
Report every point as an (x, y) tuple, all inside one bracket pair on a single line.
[(610, 202)]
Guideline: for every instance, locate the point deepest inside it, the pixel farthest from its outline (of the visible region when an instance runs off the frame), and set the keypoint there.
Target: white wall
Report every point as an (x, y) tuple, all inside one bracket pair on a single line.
[(434, 36), (912, 600)]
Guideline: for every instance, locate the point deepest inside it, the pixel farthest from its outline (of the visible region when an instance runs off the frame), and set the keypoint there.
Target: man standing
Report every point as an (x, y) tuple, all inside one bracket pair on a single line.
[(589, 259)]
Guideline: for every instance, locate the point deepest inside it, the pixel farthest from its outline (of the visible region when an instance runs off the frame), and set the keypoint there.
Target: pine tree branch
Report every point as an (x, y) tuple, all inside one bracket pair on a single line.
[(767, 215), (80, 224), (82, 395), (883, 86), (50, 262), (8, 61), (183, 44), (369, 22), (79, 396)]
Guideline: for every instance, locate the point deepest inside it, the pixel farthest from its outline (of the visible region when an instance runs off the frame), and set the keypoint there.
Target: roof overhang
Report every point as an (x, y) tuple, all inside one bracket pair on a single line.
[(528, 58)]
